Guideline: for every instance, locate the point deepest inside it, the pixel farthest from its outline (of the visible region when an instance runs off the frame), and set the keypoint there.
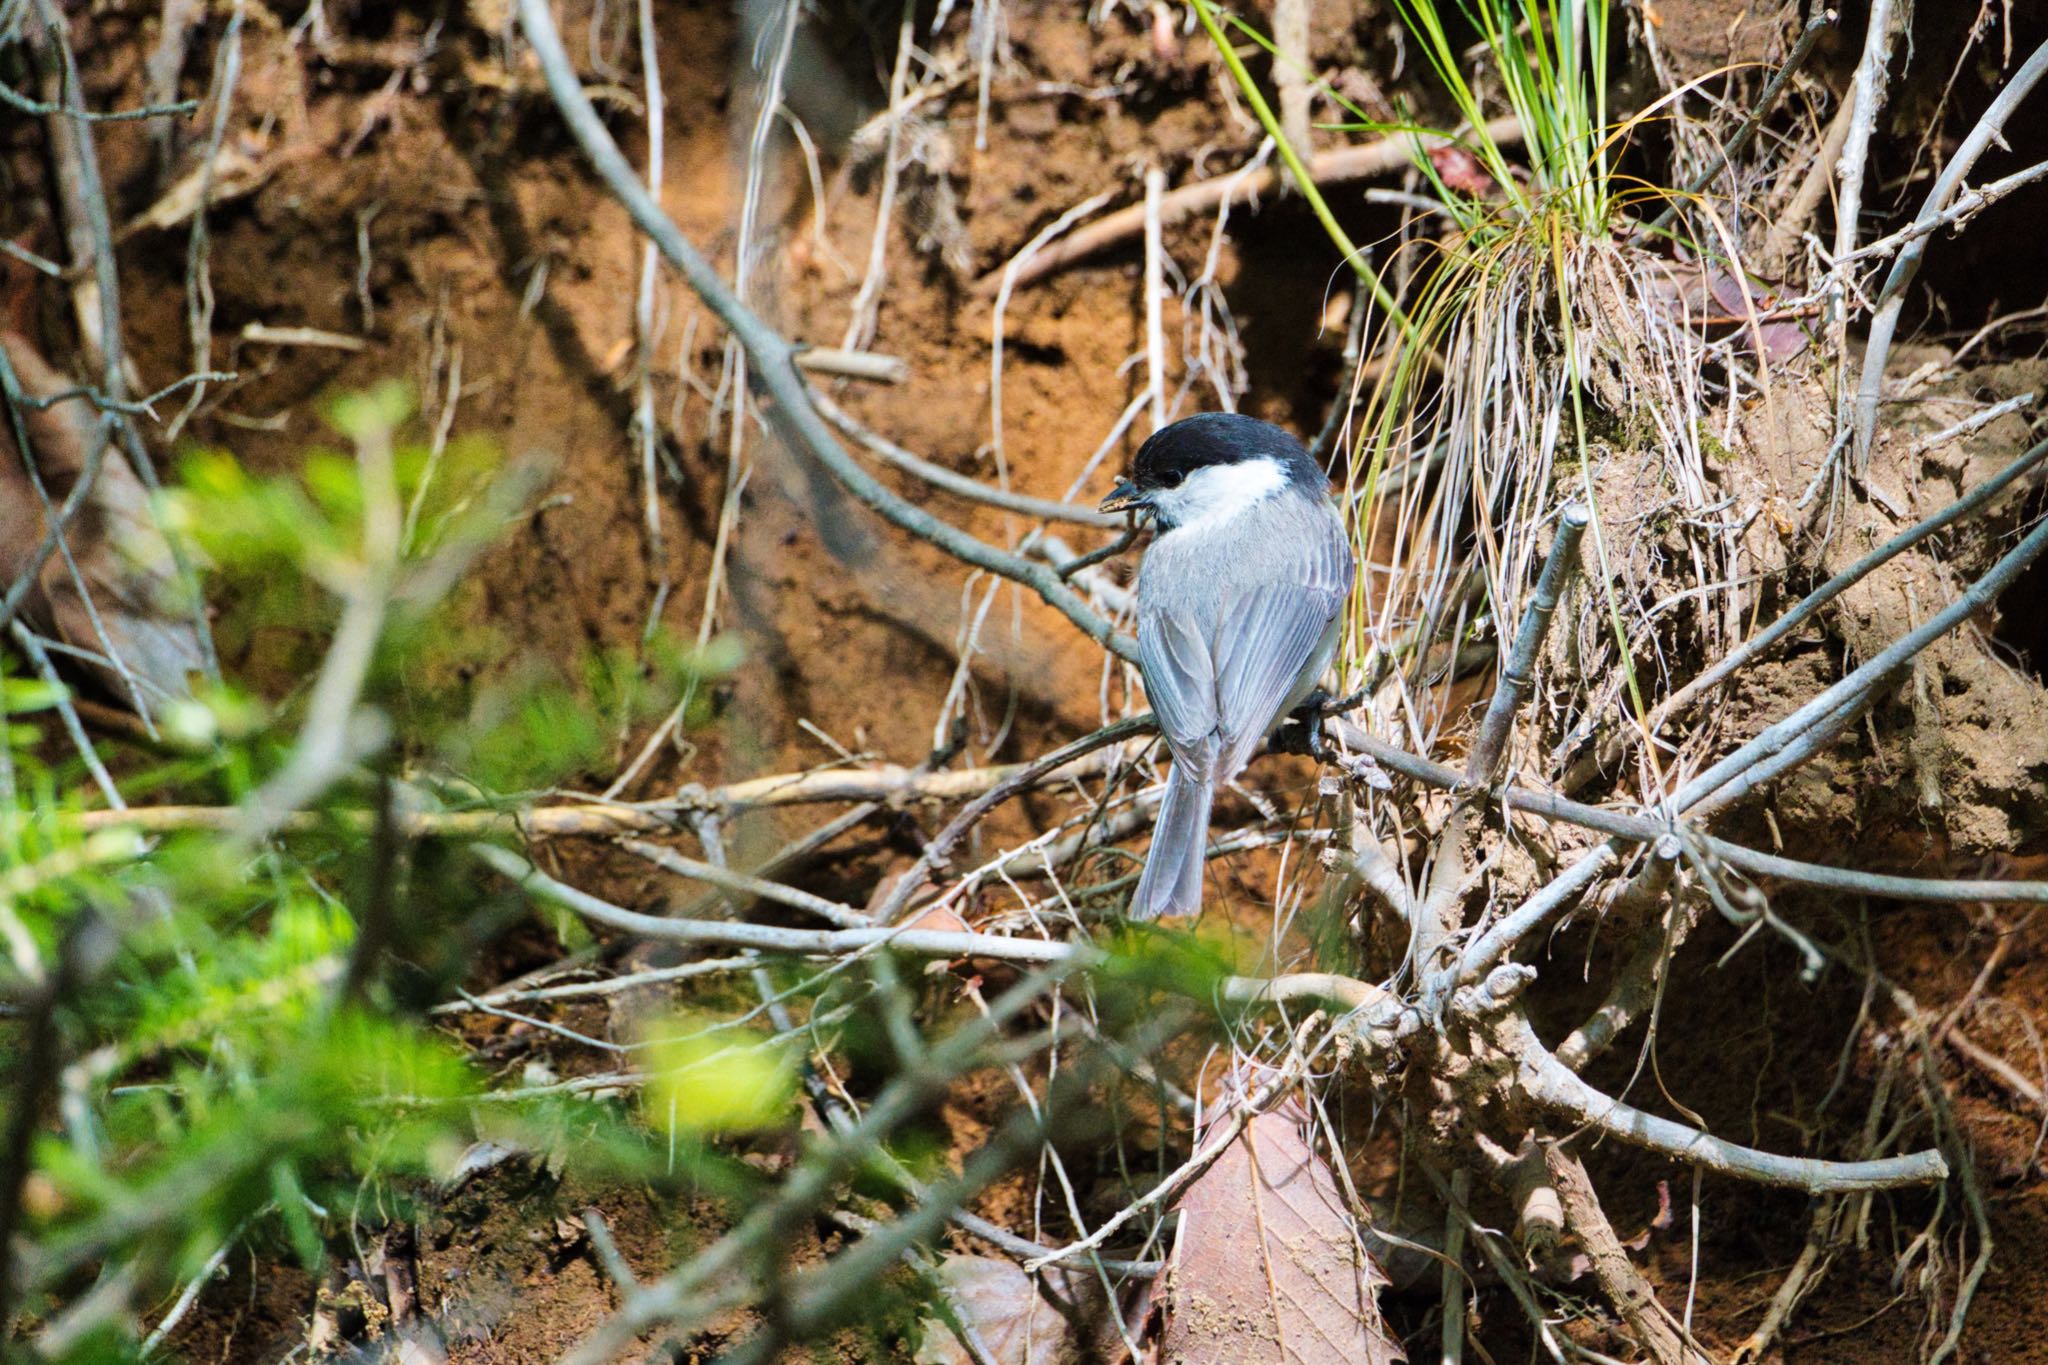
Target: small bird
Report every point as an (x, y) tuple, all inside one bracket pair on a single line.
[(1239, 598)]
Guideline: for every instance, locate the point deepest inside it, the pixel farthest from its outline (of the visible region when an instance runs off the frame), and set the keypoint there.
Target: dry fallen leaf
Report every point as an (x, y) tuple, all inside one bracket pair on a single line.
[(1266, 1266), (1018, 1323), (1718, 302), (122, 556)]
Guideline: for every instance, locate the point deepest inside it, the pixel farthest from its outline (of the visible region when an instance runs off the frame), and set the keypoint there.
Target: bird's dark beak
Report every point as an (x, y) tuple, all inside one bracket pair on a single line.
[(1124, 497)]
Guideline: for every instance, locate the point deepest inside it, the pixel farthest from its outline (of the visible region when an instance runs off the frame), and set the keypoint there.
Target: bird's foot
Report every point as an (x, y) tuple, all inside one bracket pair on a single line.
[(1302, 732)]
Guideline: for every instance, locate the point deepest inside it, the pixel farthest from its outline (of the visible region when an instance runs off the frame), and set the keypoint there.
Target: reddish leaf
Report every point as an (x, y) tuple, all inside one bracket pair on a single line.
[(1719, 302), (1460, 170), (1266, 1264), (1781, 340)]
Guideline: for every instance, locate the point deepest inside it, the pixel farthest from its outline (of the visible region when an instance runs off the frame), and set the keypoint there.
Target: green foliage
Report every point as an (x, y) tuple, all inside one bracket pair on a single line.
[(242, 1052), (1550, 57), (705, 1081)]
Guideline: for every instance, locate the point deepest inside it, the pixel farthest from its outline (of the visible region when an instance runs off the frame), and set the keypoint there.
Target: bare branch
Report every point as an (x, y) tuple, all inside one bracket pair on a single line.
[(1891, 300), (1809, 37), (668, 860), (1624, 1285), (1517, 672), (1379, 157), (813, 942), (973, 490), (1554, 1086), (845, 364)]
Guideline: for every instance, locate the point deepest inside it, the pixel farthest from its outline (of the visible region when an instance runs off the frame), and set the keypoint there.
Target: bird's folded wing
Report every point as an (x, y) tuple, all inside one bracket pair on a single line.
[(1263, 641), (1180, 682)]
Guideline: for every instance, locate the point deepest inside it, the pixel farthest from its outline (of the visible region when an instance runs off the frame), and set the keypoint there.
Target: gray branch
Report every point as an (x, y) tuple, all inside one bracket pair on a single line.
[(1892, 298), (1551, 1084), (1516, 674)]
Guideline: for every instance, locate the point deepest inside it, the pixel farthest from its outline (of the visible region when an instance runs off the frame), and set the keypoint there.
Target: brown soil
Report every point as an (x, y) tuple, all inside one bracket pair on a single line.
[(483, 230)]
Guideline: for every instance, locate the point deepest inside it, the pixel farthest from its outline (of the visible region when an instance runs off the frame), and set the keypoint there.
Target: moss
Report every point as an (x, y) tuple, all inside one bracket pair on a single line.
[(1712, 449)]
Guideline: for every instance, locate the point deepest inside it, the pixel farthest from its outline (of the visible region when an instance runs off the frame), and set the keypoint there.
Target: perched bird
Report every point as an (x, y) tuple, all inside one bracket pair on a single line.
[(1239, 597)]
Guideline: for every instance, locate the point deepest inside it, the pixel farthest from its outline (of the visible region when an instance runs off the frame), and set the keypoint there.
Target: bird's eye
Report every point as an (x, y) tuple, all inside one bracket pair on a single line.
[(1172, 478)]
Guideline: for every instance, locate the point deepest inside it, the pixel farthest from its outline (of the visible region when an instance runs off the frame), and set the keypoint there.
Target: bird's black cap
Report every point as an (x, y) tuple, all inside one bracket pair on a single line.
[(1173, 452)]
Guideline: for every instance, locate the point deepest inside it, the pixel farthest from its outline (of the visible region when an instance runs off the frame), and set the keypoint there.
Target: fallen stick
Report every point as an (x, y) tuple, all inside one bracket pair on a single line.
[(602, 820), (1325, 168)]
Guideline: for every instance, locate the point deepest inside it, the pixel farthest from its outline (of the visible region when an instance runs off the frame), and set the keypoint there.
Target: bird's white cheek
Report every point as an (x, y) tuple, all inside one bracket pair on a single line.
[(1218, 491)]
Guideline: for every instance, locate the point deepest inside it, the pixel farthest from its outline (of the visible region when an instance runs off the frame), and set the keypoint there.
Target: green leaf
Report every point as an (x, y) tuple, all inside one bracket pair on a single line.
[(707, 1083)]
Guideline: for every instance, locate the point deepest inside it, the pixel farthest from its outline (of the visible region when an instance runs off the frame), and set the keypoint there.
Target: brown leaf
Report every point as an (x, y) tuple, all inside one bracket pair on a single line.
[(1719, 302), (1460, 170), (940, 918), (1266, 1265), (122, 556), (1018, 1322)]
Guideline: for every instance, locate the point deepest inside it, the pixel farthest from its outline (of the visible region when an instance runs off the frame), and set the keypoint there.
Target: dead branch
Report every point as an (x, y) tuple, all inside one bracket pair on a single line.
[(1773, 90), (1635, 986), (973, 490), (1788, 229), (1866, 97), (940, 849), (668, 860), (1554, 1086), (1516, 674), (1334, 167), (896, 786), (814, 1299), (1965, 207), (1655, 1329), (884, 783), (1891, 299)]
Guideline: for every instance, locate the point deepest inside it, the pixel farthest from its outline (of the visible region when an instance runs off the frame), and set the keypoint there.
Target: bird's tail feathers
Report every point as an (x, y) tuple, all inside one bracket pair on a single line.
[(1171, 883)]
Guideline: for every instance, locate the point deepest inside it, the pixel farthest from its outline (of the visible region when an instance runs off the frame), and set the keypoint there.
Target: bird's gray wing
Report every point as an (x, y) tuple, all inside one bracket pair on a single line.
[(1180, 682), (1272, 632), (1264, 641)]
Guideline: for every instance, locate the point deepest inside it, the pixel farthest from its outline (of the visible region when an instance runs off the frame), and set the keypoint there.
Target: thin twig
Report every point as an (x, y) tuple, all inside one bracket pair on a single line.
[(1155, 291), (1767, 101), (10, 96), (960, 485), (1966, 206), (668, 860), (767, 938), (1555, 1086), (845, 364), (1891, 300), (1867, 96)]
